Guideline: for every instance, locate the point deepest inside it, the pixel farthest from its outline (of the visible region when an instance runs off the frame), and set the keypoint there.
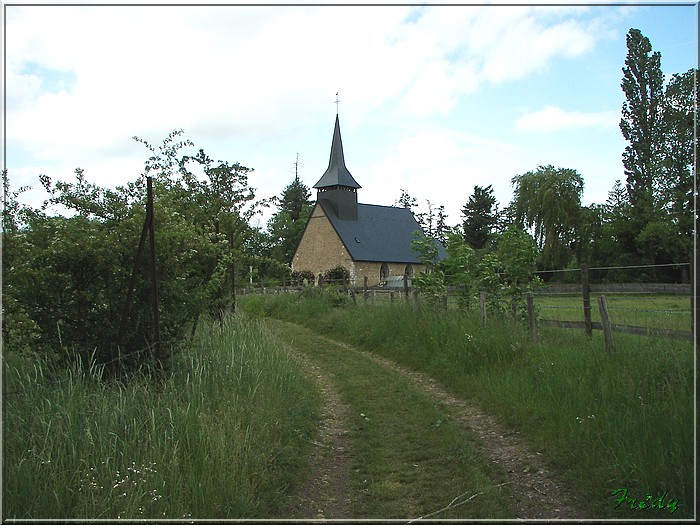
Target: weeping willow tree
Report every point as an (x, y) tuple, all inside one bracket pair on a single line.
[(548, 202)]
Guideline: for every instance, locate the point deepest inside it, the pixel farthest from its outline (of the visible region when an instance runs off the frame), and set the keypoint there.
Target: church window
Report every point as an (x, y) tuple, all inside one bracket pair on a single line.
[(383, 273)]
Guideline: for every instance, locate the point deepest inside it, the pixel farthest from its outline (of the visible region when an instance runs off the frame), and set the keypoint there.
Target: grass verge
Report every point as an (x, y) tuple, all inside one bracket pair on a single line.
[(226, 435)]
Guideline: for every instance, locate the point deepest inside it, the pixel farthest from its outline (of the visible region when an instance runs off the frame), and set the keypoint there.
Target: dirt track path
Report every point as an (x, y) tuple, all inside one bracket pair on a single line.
[(326, 493), (535, 492)]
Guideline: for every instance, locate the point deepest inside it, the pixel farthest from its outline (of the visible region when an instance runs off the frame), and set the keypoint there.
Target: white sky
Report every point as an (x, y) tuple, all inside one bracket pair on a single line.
[(433, 99)]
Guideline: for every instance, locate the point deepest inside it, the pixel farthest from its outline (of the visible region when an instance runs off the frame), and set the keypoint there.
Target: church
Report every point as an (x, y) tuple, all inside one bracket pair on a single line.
[(368, 240)]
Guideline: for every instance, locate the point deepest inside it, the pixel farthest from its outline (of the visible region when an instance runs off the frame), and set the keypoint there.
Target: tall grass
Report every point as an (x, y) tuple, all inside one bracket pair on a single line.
[(224, 437), (606, 422)]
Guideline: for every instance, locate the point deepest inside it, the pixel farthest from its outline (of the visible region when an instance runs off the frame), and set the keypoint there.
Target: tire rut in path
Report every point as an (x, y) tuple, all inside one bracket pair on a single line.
[(535, 491), (325, 494)]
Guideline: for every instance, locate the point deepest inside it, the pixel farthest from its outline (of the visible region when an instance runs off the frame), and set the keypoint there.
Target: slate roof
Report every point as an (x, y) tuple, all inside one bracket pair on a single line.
[(380, 233), (337, 174)]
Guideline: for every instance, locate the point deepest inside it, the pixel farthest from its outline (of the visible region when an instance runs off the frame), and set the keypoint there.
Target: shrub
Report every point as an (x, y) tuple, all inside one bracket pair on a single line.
[(338, 275)]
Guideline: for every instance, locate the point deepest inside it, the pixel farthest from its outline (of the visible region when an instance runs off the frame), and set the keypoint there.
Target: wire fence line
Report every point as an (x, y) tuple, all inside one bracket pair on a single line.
[(632, 267)]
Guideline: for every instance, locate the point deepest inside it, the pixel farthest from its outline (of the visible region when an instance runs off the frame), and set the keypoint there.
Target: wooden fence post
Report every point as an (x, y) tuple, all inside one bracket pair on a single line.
[(405, 286), (392, 297), (531, 319), (482, 301), (605, 321), (586, 290)]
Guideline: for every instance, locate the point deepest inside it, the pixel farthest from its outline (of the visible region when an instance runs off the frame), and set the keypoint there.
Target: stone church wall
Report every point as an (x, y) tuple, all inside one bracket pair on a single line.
[(320, 248)]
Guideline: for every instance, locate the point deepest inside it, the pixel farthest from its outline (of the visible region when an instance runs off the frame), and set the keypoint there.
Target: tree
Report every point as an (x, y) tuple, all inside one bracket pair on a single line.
[(480, 217), (286, 227), (641, 124), (517, 255), (295, 199), (406, 201), (69, 277), (680, 133), (430, 282), (549, 201)]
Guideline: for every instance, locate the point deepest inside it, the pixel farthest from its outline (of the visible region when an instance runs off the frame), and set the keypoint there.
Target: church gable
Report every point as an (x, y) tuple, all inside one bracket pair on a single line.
[(320, 248)]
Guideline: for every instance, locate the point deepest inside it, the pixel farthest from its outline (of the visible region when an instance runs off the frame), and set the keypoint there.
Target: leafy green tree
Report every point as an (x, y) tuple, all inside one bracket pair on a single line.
[(459, 266), (680, 143), (517, 255), (548, 200), (641, 124), (69, 274), (434, 223), (430, 282), (480, 217)]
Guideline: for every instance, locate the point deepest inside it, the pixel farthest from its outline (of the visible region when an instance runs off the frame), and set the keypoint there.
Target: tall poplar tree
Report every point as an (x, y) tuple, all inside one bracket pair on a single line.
[(641, 124)]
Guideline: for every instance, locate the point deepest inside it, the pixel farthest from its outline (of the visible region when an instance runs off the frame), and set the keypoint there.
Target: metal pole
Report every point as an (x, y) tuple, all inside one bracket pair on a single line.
[(154, 275), (132, 280)]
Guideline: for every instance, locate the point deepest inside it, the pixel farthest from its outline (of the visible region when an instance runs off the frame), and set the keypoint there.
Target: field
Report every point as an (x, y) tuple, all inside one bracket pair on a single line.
[(669, 312)]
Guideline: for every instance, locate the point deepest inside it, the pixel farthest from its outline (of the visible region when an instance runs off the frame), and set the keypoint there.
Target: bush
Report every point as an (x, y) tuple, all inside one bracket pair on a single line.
[(298, 278), (338, 275)]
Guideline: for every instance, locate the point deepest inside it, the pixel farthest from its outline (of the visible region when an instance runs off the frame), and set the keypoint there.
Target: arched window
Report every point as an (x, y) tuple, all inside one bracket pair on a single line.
[(408, 272), (383, 273)]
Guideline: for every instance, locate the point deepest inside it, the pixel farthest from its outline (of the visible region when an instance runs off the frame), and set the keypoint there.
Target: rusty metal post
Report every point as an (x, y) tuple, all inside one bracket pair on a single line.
[(132, 280), (154, 275)]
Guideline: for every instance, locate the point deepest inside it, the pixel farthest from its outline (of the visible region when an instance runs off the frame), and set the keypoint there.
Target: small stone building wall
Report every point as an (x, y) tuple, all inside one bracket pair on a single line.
[(373, 271), (320, 249)]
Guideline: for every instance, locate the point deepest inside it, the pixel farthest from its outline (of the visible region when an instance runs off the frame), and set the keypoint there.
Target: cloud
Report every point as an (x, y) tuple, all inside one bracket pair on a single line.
[(553, 118), (246, 79)]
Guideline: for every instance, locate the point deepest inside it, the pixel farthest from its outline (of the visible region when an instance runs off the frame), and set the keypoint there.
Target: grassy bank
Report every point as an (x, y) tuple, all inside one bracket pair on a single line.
[(606, 422), (224, 437)]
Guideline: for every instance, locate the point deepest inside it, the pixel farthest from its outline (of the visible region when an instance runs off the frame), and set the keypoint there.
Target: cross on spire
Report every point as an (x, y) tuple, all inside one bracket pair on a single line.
[(337, 100)]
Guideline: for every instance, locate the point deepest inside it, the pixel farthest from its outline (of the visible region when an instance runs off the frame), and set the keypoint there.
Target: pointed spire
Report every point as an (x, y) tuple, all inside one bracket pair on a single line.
[(337, 174)]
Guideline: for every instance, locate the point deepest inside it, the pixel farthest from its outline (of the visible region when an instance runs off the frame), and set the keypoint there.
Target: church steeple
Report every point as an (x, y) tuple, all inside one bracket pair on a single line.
[(337, 173), (337, 186)]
